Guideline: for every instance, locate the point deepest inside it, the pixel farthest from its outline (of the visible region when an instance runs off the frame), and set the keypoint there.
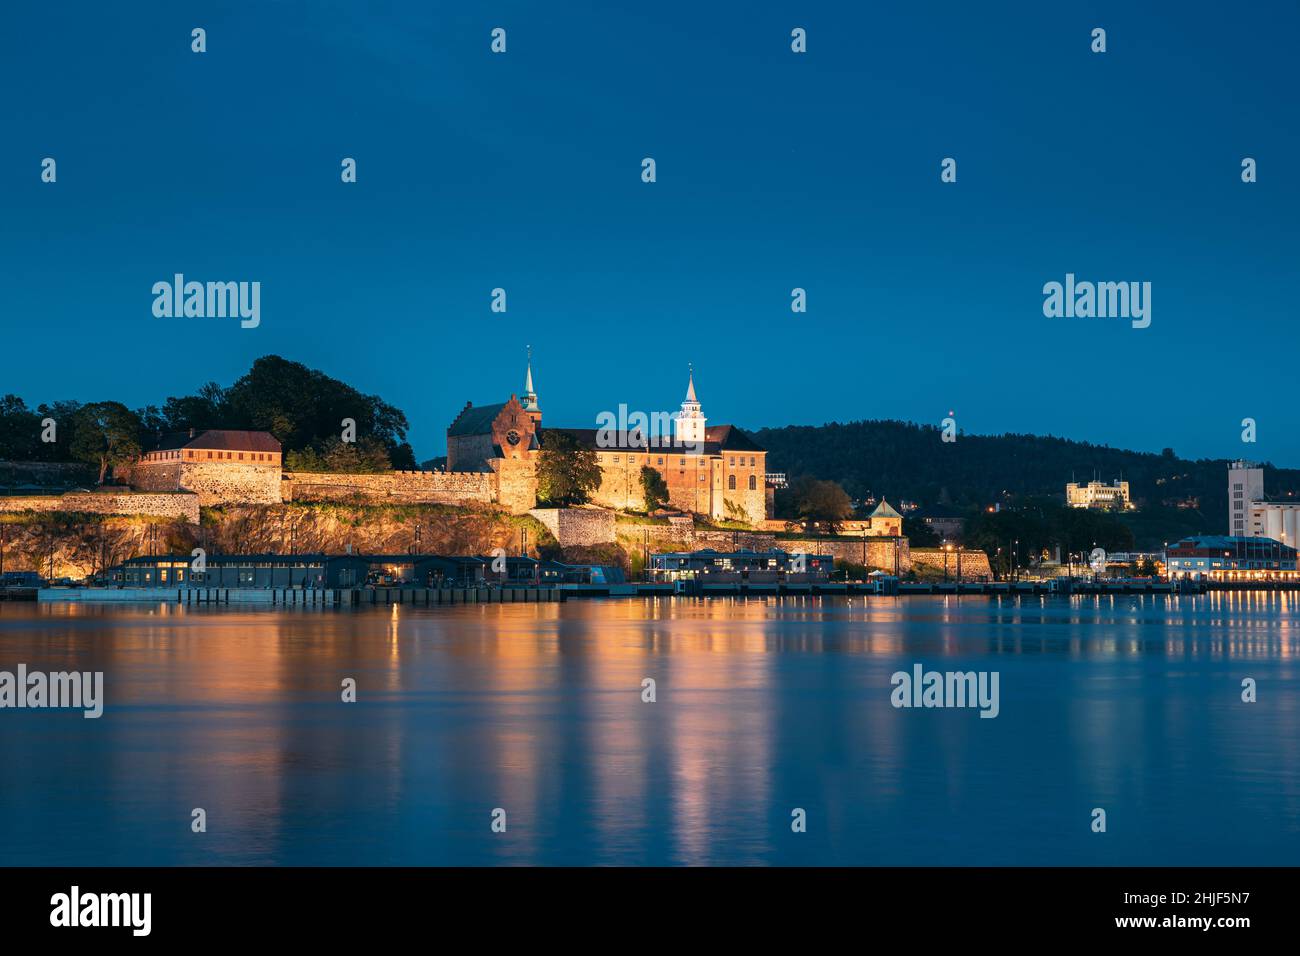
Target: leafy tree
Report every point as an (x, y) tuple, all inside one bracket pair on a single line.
[(365, 456), (207, 409), (105, 434), (567, 473), (1039, 526), (20, 430), (65, 415), (301, 407), (821, 502), (654, 488)]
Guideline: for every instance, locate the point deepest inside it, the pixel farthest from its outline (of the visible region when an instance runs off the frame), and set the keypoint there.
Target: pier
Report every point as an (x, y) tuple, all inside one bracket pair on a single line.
[(307, 597), (433, 597)]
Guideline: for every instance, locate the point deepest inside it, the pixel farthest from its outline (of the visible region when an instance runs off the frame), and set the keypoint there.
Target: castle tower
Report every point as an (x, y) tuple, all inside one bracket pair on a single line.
[(690, 420), (529, 400)]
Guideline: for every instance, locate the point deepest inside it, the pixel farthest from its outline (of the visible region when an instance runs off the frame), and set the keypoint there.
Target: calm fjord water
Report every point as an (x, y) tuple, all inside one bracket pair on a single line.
[(1132, 704)]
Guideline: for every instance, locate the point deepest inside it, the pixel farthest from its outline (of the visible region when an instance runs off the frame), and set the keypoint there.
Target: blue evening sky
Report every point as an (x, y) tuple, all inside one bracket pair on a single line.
[(775, 170)]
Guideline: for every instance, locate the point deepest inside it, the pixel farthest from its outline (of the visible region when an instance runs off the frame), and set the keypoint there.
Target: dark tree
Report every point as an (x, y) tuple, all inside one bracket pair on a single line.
[(366, 456), (654, 488), (567, 473), (821, 503), (105, 434), (20, 430), (920, 534)]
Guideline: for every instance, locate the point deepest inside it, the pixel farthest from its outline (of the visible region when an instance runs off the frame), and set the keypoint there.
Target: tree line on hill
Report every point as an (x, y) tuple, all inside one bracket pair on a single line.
[(904, 461), (302, 407)]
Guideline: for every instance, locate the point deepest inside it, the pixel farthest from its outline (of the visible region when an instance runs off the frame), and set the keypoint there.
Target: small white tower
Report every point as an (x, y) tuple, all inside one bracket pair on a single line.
[(690, 420)]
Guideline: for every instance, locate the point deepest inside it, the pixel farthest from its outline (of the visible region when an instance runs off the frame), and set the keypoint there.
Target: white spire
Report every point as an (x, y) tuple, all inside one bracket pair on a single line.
[(690, 420)]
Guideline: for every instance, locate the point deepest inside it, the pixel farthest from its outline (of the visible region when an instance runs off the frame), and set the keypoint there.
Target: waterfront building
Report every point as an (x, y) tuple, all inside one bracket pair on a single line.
[(425, 570), (21, 579), (1231, 558), (1098, 494), (242, 571), (353, 571), (1122, 559), (726, 567)]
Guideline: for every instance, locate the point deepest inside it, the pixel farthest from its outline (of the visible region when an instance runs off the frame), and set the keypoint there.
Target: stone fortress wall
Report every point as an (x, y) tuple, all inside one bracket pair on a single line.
[(464, 488), (974, 564), (215, 482), (152, 504), (578, 527)]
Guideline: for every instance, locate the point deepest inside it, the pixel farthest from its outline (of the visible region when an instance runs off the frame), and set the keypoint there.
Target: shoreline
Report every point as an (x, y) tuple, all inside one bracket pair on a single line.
[(432, 597)]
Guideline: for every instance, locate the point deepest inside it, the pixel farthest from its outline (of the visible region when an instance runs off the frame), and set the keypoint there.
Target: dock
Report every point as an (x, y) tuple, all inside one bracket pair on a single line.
[(433, 597), (307, 597)]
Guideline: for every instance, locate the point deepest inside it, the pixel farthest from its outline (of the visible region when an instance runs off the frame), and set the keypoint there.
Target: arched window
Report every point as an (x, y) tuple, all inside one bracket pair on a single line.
[(753, 482), (731, 482)]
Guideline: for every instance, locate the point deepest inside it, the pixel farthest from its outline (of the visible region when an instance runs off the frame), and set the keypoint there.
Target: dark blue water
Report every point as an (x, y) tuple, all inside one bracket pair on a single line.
[(1129, 704)]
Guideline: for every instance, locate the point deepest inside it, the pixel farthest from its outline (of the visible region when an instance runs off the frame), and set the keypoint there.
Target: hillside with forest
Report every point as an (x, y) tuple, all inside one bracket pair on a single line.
[(904, 461), (302, 407)]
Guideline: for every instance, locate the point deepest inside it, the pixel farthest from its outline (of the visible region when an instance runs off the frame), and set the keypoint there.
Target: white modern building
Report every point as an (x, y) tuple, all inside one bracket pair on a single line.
[(1245, 487), (1251, 515)]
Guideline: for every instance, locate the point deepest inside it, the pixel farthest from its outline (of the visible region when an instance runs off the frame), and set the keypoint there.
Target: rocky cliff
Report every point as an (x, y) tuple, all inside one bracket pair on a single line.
[(71, 544)]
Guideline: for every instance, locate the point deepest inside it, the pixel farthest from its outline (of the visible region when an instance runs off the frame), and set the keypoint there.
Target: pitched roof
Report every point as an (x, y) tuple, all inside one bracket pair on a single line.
[(223, 439), (623, 441), (885, 510), (731, 438), (717, 440), (475, 420)]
